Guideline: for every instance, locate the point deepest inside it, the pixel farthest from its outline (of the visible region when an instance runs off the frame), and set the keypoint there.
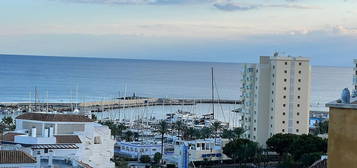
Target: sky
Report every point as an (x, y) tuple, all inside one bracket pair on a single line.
[(190, 30)]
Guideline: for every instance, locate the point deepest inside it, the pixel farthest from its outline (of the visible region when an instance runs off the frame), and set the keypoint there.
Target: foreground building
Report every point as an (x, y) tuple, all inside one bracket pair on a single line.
[(63, 137), (342, 147), (276, 95)]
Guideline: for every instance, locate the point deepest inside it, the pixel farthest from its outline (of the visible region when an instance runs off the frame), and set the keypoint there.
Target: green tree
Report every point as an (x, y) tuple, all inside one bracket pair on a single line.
[(242, 150), (281, 143), (157, 157), (8, 123), (205, 132), (129, 136), (162, 129), (216, 127), (322, 127), (308, 159), (145, 159), (236, 133), (305, 144), (191, 133), (179, 126)]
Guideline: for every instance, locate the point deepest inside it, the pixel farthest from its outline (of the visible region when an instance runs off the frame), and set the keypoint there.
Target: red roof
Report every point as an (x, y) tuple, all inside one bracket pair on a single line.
[(15, 157), (54, 117), (67, 139)]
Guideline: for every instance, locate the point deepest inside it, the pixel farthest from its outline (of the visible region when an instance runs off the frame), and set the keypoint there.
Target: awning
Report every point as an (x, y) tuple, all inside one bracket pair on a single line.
[(54, 146)]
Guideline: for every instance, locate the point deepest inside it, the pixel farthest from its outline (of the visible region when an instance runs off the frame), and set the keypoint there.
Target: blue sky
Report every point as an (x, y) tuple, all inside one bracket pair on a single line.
[(193, 30)]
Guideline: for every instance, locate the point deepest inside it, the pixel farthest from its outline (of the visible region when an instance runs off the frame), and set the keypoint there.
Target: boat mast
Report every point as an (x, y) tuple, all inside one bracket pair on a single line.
[(212, 84)]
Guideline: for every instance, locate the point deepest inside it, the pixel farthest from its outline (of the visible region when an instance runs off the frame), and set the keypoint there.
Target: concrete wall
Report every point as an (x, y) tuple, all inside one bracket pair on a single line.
[(69, 128), (342, 138)]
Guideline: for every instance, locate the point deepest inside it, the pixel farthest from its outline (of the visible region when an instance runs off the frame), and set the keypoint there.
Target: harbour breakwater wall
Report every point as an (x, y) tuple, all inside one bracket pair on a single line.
[(105, 105)]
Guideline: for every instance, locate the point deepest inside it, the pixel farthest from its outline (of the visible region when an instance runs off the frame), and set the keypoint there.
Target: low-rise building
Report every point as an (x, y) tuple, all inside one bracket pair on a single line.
[(63, 137), (197, 150), (137, 149)]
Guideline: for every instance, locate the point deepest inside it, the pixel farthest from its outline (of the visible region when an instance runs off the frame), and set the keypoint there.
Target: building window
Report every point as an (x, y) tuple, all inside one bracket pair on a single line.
[(297, 130), (285, 80), (272, 92), (299, 80), (255, 121), (272, 109), (284, 88), (273, 75), (297, 122), (271, 125), (284, 97), (271, 117), (273, 83), (283, 130), (273, 66), (297, 113), (286, 63), (283, 113), (286, 71), (254, 137), (46, 150), (284, 105), (299, 89), (272, 100), (300, 63), (255, 129), (298, 97), (298, 105), (299, 72), (283, 122)]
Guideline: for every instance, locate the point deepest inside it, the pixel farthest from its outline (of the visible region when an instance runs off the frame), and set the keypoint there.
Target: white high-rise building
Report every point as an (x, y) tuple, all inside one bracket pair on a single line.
[(355, 74), (276, 96)]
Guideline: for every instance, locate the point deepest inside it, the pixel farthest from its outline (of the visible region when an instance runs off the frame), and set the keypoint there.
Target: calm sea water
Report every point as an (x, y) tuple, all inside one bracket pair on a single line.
[(95, 79)]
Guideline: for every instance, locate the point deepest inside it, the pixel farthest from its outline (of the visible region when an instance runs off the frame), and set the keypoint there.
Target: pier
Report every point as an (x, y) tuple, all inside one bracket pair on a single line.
[(105, 105)]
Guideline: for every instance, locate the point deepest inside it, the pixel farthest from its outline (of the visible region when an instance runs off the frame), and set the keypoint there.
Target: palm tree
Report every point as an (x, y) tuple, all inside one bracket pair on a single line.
[(162, 129), (216, 126), (238, 132), (179, 126), (205, 132), (190, 133)]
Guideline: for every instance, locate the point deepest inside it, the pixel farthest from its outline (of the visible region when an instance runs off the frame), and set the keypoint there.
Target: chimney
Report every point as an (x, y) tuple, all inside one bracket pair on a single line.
[(51, 131), (33, 132)]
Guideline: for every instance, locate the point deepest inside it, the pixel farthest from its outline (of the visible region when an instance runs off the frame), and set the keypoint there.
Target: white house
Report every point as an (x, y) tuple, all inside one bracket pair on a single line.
[(74, 138), (137, 149)]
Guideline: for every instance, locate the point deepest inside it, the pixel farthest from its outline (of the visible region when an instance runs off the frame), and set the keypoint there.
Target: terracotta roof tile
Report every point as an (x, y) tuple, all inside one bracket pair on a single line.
[(54, 117), (15, 157), (10, 136), (67, 139)]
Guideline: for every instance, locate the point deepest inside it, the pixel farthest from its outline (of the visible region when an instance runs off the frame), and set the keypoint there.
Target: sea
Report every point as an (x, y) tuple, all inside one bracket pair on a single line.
[(77, 79)]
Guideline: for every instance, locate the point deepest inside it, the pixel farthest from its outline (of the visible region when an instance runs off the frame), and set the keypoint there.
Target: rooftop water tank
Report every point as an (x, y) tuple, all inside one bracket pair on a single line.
[(346, 96)]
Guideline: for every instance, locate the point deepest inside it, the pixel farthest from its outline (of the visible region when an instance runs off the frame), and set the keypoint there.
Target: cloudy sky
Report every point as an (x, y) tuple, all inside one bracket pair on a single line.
[(193, 30)]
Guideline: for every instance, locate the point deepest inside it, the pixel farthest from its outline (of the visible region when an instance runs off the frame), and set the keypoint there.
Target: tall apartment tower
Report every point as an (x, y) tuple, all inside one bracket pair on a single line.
[(276, 94), (355, 74)]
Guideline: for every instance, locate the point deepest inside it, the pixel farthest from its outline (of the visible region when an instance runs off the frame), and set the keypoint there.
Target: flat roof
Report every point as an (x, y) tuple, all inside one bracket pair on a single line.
[(337, 104)]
